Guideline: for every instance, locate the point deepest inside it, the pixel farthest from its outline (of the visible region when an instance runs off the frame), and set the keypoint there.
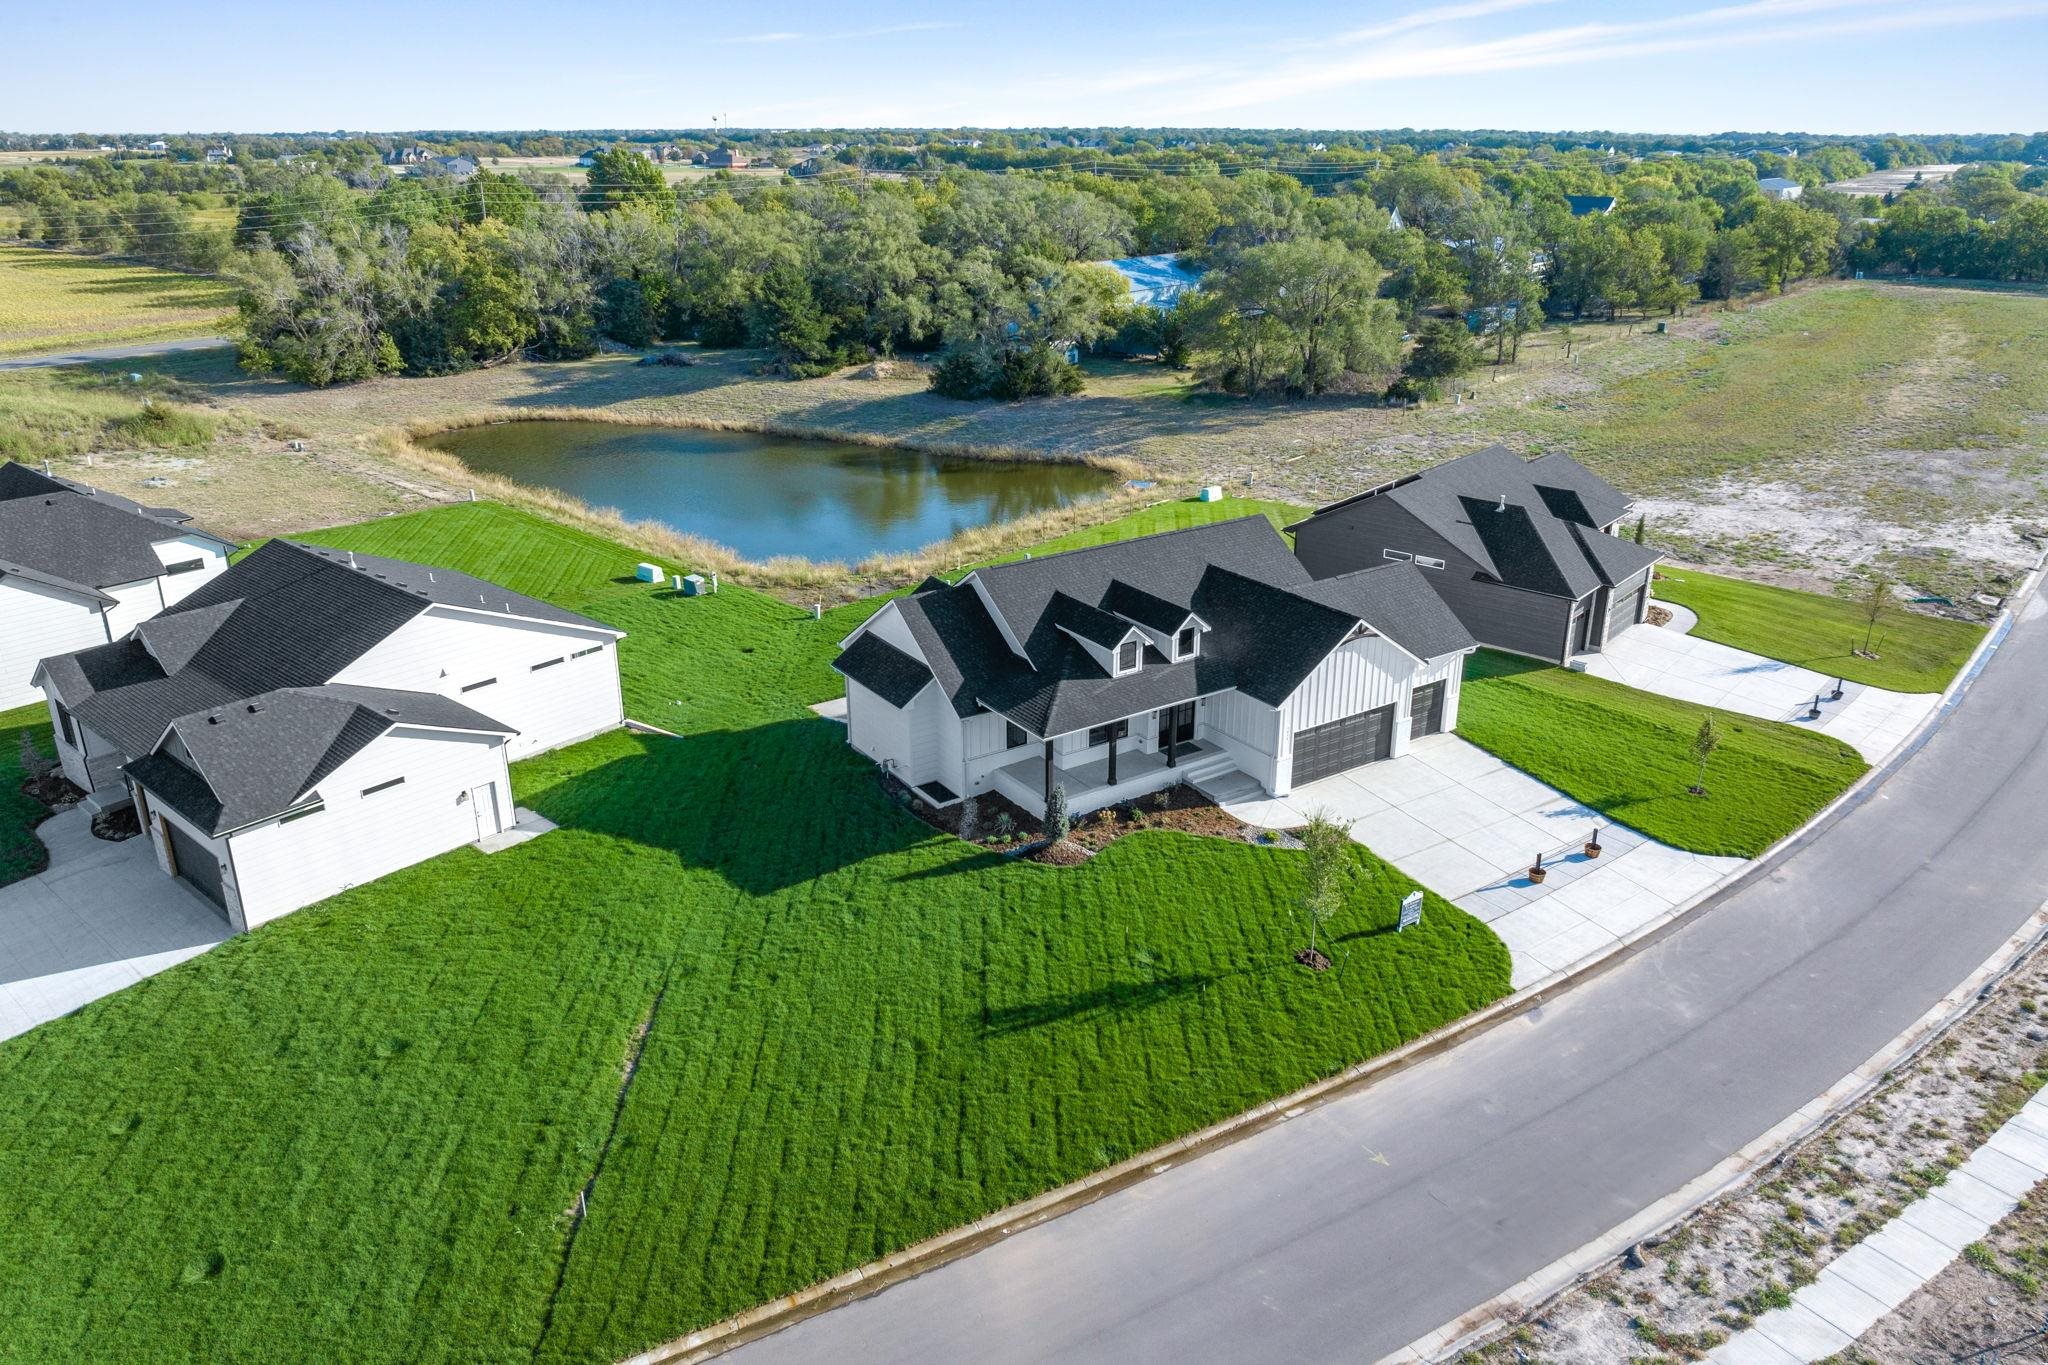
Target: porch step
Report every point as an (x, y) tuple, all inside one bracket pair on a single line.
[(100, 802)]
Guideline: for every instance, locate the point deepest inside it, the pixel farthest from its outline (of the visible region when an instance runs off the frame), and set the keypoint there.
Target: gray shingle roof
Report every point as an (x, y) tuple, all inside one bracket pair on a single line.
[(1269, 624), (71, 536), (261, 756), (883, 669), (1533, 541)]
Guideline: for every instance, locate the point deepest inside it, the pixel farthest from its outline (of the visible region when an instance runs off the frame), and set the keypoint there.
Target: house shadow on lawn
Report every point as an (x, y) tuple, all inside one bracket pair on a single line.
[(1115, 998), (768, 807)]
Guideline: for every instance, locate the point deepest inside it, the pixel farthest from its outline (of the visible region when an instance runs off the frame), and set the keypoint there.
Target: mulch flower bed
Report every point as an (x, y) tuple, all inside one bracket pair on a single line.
[(116, 825), (999, 824), (54, 790)]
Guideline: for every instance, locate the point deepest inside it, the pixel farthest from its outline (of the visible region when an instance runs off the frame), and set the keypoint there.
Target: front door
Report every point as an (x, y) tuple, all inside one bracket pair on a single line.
[(483, 803), (1176, 727)]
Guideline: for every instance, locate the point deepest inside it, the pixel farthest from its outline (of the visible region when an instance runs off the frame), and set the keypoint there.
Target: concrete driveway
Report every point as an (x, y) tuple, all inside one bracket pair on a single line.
[(100, 918), (1674, 663), (1467, 825)]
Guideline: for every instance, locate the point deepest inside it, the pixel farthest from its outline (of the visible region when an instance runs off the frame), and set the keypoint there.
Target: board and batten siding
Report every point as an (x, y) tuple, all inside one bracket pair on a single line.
[(38, 621), (1361, 675), (983, 740), (280, 866), (549, 703)]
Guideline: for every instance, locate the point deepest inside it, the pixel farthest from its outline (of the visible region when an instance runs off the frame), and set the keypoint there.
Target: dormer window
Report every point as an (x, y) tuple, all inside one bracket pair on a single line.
[(1187, 643), (1127, 656)]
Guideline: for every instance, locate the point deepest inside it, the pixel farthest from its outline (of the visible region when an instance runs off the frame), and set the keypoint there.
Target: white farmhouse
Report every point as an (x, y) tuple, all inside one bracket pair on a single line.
[(1115, 671), (313, 719), (1779, 188), (80, 567)]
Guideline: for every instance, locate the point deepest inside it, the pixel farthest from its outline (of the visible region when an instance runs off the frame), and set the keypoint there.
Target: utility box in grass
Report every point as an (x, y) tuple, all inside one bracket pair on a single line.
[(1213, 493), (693, 585), (649, 573)]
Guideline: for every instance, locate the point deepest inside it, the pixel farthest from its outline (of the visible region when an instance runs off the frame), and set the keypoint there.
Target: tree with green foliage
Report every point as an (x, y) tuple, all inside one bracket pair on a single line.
[(1444, 350), (1332, 867), (621, 177), (1056, 822), (1791, 243), (1704, 742), (1295, 314)]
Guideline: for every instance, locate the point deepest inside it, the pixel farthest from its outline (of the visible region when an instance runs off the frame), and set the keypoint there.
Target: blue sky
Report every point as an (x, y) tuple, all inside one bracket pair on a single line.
[(1825, 66)]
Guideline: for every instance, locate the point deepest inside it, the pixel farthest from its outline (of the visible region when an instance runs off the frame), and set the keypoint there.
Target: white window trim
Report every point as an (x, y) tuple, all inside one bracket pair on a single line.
[(1128, 642), (1178, 652), (1398, 556)]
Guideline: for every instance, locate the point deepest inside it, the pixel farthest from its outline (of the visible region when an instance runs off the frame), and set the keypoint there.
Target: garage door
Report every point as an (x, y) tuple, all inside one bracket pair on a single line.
[(1347, 743), (1426, 711), (197, 867), (1628, 610)]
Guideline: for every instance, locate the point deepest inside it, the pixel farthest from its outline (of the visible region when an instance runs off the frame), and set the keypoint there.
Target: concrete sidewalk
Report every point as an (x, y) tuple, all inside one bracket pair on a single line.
[(1672, 662), (1859, 1287), (1468, 825), (103, 916)]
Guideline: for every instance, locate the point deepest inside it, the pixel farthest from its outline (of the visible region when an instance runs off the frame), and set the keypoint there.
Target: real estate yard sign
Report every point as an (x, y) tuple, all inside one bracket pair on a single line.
[(1411, 911)]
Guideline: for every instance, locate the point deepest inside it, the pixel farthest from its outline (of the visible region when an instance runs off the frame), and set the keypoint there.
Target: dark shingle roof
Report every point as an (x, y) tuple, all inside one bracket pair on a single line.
[(78, 540), (1533, 541), (260, 756), (1269, 624), (1090, 623), (1583, 204), (883, 669)]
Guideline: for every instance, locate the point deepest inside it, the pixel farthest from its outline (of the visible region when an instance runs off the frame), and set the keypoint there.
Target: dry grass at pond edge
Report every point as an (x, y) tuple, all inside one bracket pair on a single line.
[(784, 573)]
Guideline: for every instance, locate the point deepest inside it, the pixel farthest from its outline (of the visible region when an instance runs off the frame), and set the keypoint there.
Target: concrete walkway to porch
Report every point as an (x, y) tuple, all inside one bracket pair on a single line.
[(1672, 662), (102, 916), (1467, 826)]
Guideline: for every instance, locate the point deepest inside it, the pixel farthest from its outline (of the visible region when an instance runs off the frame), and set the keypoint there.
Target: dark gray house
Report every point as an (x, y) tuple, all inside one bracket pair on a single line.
[(1526, 552)]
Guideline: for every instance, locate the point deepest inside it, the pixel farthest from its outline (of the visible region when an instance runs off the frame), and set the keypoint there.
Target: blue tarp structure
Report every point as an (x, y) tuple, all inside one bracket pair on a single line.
[(1156, 281)]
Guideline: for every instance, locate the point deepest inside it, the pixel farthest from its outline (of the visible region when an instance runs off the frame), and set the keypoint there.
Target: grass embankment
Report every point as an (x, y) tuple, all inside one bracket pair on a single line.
[(50, 301), (21, 853), (1916, 653), (361, 1131), (1629, 754), (60, 414)]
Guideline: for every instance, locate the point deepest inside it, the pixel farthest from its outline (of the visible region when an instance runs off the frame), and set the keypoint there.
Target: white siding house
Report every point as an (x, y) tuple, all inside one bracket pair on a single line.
[(311, 719), (80, 568), (1195, 656)]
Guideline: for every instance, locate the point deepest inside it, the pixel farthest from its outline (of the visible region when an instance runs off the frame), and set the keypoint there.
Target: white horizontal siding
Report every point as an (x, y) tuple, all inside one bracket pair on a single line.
[(446, 651), (1248, 730), (877, 729), (36, 622), (888, 624), (357, 838), (134, 603), (178, 586)]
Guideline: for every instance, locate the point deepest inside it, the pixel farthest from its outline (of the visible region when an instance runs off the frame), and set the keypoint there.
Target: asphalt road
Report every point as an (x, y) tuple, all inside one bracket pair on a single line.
[(1531, 1140), (136, 351)]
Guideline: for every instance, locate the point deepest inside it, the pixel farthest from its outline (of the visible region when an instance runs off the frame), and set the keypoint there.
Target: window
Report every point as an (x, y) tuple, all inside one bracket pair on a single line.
[(546, 663), (1424, 561), (313, 809), (1014, 736), (1127, 656), (185, 566), (471, 687), (1103, 734), (382, 786), (64, 724), (1398, 556), (1184, 646), (594, 649)]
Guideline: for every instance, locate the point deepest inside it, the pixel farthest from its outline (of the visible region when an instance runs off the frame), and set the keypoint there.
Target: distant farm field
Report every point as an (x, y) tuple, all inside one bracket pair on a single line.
[(54, 302)]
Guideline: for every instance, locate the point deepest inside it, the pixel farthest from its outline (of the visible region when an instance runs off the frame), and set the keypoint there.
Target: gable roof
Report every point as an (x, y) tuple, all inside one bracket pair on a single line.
[(74, 537), (1269, 624), (1534, 524), (264, 755), (287, 616), (883, 669)]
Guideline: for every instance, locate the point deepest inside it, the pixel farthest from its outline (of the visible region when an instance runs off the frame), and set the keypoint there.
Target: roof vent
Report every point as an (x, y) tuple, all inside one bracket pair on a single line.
[(351, 559), (1503, 503), (213, 719), (254, 707)]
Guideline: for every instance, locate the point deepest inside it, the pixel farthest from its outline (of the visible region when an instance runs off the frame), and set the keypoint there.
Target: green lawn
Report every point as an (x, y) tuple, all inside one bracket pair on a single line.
[(359, 1131), (1628, 754), (21, 853), (1917, 653)]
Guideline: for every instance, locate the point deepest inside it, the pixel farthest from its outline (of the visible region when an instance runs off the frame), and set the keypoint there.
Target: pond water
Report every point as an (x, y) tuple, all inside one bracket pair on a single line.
[(772, 495)]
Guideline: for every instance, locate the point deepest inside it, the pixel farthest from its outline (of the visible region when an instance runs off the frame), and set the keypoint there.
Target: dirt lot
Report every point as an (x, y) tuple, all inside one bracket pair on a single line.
[(1799, 438), (1747, 1253)]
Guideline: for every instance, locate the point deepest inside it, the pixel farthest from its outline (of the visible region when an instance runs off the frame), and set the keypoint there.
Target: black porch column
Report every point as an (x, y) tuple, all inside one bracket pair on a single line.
[(1048, 770), (1167, 727), (1112, 755)]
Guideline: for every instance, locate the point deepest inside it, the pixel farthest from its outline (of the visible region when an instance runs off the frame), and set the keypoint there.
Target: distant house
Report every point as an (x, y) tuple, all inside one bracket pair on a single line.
[(727, 158), (408, 156), (461, 167), (216, 156), (1156, 281), (1527, 553), (80, 567), (159, 146), (807, 168), (1779, 188), (1590, 205), (698, 158), (590, 157), (1394, 218), (310, 720)]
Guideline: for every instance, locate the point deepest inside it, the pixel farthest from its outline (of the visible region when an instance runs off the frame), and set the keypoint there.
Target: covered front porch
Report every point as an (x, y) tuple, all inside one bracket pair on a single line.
[(1089, 783)]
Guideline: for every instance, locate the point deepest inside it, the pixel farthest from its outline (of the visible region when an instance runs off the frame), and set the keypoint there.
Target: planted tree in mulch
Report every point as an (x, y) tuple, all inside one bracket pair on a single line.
[(1703, 745), (1331, 867), (1056, 822)]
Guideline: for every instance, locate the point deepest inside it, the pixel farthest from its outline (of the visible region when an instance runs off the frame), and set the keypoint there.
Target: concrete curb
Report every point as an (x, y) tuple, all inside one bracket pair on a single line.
[(773, 1316)]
